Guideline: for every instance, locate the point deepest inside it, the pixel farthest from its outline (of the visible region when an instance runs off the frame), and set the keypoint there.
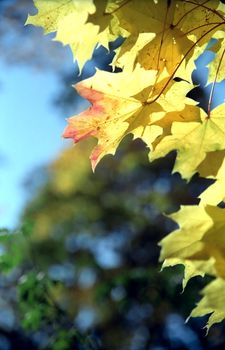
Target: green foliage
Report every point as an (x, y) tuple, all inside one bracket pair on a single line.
[(34, 302), (11, 256)]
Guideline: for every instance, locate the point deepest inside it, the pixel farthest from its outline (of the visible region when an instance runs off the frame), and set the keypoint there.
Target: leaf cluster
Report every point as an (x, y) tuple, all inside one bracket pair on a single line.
[(148, 99)]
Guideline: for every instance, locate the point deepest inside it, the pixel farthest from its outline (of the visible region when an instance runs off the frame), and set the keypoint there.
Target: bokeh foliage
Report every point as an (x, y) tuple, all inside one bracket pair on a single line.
[(86, 257)]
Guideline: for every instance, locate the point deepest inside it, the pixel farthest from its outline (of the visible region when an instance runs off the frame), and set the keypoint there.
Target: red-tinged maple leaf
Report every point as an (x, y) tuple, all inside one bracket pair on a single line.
[(114, 112), (120, 107)]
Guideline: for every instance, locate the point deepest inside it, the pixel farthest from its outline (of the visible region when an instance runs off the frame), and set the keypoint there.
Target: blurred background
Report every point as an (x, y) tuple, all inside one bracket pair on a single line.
[(78, 251)]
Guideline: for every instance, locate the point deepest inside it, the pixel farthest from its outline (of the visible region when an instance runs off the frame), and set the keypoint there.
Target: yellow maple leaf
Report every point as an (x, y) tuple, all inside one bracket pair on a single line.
[(163, 50), (179, 28), (200, 237), (210, 19), (213, 167), (193, 140), (199, 20), (213, 302), (192, 268), (80, 24), (124, 103), (189, 114), (216, 68)]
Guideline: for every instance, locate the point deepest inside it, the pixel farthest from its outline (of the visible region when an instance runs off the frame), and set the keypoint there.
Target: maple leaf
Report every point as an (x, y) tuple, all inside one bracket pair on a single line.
[(199, 20), (119, 108), (213, 302), (189, 114), (80, 24), (213, 167), (200, 237), (193, 140), (192, 268), (165, 49), (216, 67), (112, 106), (176, 34)]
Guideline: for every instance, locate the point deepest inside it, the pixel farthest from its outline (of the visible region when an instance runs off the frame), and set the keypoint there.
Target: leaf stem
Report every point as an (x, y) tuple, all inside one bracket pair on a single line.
[(213, 85)]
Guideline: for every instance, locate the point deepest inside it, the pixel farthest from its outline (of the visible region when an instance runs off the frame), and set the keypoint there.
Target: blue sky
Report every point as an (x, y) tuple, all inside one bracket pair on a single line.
[(30, 133), (31, 127)]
